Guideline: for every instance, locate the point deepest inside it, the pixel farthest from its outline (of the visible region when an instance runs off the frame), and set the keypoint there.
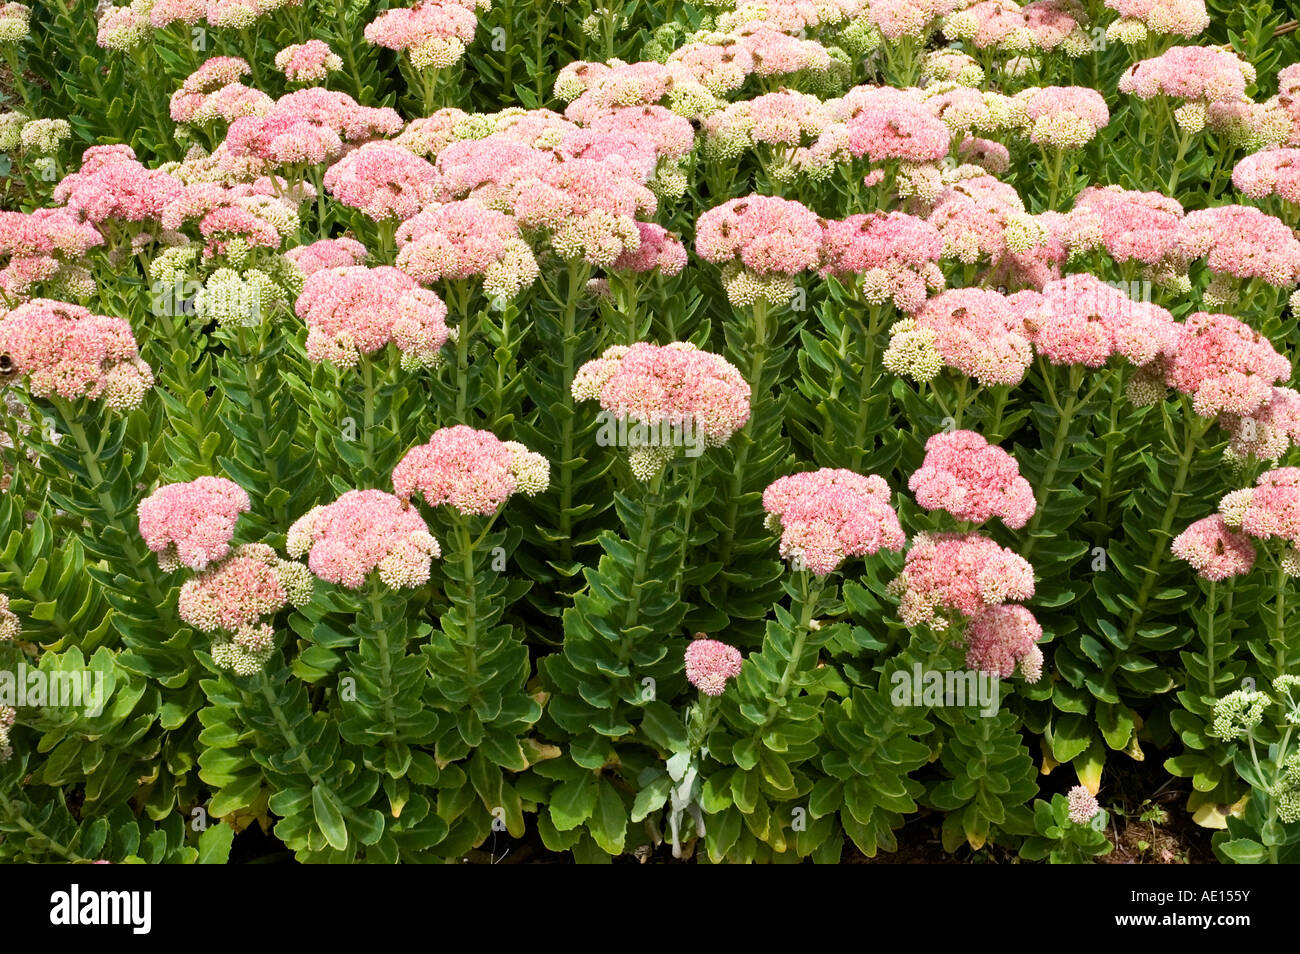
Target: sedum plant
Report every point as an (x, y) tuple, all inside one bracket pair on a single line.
[(736, 433)]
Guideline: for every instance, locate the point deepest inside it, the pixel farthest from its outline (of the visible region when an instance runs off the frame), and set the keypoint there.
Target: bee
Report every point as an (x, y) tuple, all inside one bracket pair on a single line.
[(7, 369)]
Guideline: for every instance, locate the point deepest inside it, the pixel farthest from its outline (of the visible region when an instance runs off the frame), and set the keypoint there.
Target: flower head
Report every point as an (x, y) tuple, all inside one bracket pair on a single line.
[(362, 531), (710, 663), (972, 479), (192, 524), (470, 470), (1214, 551), (827, 516)]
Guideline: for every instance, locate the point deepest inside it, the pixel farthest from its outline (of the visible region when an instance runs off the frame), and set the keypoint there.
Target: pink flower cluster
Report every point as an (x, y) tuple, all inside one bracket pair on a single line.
[(63, 349), (326, 253), (112, 184), (308, 62), (1144, 227), (674, 383), (1169, 17), (1063, 117), (382, 180), (762, 242), (830, 515), (658, 250), (1202, 74), (351, 311), (980, 332), (593, 89), (959, 573), (1269, 510), (235, 593), (365, 530), (1269, 431), (907, 19), (1224, 365), (1271, 172), (191, 524), (230, 14), (1001, 638), (9, 624), (587, 205), (710, 663), (308, 126), (214, 91), (434, 32), (894, 255), (973, 480), (1085, 321), (977, 216), (470, 470), (1243, 242), (1214, 550), (465, 239), (886, 123), (44, 245)]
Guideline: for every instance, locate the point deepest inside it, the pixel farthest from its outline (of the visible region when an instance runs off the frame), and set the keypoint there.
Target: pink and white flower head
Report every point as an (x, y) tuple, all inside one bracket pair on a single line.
[(214, 91), (588, 206), (1224, 365), (361, 532), (307, 126), (191, 524), (886, 123), (64, 350), (592, 89), (1001, 638), (1271, 172), (991, 25), (1214, 550), (1063, 117), (1058, 25), (973, 480), (9, 625), (470, 470), (977, 331), (1083, 806), (906, 19), (434, 32), (1144, 227), (1186, 18), (308, 62), (1242, 242), (710, 664), (700, 395), (1267, 433), (980, 217), (43, 246), (1199, 74), (112, 184), (353, 311), (659, 250), (1269, 510), (830, 515), (1085, 321), (382, 180), (326, 253), (894, 255), (465, 239), (958, 573), (487, 169), (235, 592), (762, 242)]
